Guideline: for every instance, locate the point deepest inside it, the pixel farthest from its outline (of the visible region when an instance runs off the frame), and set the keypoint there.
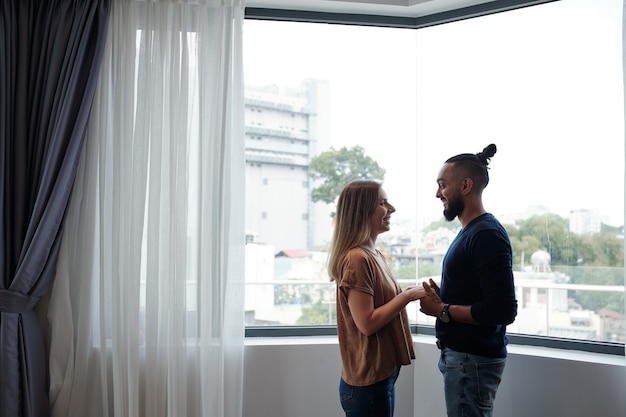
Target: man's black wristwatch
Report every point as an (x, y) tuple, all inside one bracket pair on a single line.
[(445, 314)]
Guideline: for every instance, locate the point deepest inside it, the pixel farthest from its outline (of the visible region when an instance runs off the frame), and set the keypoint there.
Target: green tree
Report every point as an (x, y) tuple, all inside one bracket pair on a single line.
[(553, 233), (336, 168), (602, 249), (617, 230), (523, 248), (405, 271), (318, 314), (428, 269)]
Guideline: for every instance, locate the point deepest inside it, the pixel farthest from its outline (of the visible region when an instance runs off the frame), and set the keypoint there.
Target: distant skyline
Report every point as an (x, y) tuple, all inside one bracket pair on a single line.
[(544, 83)]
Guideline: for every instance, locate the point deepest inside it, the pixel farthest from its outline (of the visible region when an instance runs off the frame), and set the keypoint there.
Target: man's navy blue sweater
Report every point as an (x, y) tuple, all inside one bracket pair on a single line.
[(477, 271)]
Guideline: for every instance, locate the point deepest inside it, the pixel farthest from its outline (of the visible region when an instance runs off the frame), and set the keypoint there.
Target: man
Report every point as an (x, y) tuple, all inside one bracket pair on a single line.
[(477, 296)]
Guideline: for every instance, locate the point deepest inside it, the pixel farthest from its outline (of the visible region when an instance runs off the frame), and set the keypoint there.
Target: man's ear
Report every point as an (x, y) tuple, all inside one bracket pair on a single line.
[(466, 186)]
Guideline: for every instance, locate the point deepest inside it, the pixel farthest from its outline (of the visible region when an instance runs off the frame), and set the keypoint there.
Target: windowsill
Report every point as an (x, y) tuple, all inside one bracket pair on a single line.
[(568, 355), (290, 340), (522, 350)]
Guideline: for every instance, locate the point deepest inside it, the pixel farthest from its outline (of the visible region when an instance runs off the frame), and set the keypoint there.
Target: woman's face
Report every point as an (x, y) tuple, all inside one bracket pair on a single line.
[(381, 217)]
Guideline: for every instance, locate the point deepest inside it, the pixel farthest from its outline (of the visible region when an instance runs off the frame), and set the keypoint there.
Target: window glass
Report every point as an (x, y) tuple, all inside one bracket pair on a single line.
[(311, 91), (543, 83)]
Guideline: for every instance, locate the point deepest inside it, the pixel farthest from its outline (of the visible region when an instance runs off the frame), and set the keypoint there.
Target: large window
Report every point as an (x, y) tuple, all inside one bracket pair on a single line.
[(543, 83)]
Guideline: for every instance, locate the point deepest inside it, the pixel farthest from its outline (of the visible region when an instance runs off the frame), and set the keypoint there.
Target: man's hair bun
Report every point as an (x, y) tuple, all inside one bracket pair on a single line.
[(486, 154)]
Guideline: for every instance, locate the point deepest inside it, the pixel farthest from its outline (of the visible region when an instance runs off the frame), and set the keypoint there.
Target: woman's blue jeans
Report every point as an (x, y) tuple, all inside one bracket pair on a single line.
[(470, 382), (376, 400)]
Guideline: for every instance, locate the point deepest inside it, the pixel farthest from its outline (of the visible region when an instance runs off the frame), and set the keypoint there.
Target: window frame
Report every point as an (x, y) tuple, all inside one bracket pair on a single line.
[(419, 329), (483, 9), (477, 10)]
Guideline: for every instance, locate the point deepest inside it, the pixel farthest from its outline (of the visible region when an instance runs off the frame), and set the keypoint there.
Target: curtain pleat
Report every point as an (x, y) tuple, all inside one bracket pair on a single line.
[(51, 53), (147, 305)]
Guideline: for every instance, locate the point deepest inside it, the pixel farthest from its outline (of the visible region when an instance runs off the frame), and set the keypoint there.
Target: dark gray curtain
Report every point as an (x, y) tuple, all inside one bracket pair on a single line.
[(50, 53)]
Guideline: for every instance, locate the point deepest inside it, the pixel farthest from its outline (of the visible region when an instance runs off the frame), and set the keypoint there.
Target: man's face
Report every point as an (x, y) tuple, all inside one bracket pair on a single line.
[(448, 191)]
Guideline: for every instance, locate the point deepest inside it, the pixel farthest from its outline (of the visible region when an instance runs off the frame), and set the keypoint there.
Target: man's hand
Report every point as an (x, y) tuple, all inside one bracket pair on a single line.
[(434, 285), (431, 303)]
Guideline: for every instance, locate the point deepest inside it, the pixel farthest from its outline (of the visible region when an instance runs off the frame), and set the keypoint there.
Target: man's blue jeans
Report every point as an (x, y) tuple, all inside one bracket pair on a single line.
[(470, 382), (376, 400)]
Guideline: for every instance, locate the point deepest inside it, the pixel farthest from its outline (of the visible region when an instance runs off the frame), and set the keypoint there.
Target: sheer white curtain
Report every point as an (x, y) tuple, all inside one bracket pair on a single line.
[(146, 313), (624, 87)]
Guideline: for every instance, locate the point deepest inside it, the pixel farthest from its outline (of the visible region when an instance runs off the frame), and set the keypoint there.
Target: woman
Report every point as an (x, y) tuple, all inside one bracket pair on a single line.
[(372, 323)]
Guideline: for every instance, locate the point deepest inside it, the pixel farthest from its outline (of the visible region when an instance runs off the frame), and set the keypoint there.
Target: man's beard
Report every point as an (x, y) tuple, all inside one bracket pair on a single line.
[(455, 208)]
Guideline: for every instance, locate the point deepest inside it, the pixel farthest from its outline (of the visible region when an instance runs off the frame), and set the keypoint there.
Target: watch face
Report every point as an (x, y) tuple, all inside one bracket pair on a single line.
[(445, 316)]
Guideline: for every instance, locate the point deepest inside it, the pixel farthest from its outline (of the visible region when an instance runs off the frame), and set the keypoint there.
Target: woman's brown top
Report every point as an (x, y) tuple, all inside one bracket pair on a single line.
[(370, 359)]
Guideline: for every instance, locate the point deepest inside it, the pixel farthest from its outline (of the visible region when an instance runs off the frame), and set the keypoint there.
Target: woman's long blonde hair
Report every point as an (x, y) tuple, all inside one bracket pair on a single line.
[(355, 206)]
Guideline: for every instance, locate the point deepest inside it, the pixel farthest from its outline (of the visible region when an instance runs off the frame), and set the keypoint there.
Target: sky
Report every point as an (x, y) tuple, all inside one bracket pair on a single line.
[(543, 83)]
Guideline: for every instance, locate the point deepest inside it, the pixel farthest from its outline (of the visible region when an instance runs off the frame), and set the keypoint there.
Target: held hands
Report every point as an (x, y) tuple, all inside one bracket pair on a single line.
[(415, 293), (430, 303)]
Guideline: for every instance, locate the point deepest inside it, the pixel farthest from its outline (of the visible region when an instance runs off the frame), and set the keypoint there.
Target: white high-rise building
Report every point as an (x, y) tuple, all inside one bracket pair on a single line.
[(585, 221), (285, 128)]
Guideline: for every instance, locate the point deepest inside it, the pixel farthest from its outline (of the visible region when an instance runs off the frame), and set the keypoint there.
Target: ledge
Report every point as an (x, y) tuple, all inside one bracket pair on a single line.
[(513, 349)]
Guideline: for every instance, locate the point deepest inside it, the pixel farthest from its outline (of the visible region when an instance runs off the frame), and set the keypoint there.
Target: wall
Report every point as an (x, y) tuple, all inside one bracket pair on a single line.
[(298, 377)]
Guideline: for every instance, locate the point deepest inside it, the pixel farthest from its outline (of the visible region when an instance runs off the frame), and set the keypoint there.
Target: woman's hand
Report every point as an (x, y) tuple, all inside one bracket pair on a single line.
[(415, 293)]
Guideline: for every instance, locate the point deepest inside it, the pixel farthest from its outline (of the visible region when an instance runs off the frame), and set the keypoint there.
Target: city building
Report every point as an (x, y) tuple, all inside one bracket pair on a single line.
[(285, 128), (584, 221)]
